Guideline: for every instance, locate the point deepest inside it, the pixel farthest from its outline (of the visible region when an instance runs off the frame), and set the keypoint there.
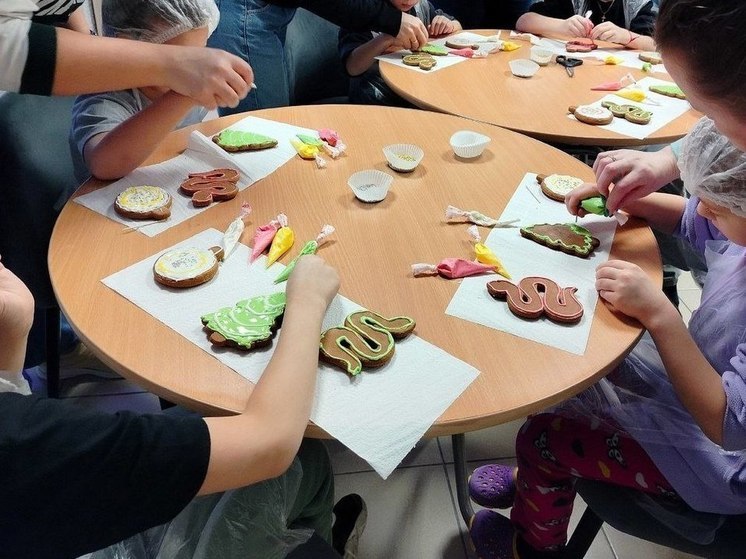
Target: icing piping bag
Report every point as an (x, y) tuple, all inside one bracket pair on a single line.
[(452, 268), (625, 81), (306, 151), (329, 136), (282, 241), (473, 216), (635, 95), (309, 248), (263, 238), (597, 205), (234, 231), (484, 254)]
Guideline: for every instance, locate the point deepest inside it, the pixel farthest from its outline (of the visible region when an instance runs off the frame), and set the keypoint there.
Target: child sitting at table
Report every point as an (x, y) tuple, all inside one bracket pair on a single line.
[(670, 420), (629, 23), (359, 50), (113, 133)]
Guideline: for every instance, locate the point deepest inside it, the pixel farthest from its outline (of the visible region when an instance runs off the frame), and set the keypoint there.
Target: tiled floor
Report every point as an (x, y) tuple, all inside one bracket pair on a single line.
[(413, 514)]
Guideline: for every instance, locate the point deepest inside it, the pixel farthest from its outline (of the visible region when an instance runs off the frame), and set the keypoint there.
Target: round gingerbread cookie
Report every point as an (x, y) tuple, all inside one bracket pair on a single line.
[(143, 202), (187, 266), (592, 115), (651, 57), (557, 187)]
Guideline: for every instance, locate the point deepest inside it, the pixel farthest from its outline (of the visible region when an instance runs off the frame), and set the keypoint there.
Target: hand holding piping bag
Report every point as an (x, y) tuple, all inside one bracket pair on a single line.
[(309, 248), (484, 254), (282, 241)]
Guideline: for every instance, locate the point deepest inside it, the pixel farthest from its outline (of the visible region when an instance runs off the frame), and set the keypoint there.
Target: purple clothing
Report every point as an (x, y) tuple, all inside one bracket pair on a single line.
[(640, 399)]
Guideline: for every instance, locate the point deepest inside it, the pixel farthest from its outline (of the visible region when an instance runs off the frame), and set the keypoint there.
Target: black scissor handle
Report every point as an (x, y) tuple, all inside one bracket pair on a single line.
[(568, 61)]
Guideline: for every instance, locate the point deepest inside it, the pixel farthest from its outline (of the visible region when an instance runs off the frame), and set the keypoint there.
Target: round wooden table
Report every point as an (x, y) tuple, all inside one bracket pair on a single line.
[(486, 90), (374, 246)]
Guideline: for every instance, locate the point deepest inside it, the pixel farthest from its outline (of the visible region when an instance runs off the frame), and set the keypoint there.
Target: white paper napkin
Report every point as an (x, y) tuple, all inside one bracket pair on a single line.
[(380, 415), (202, 154), (523, 257)]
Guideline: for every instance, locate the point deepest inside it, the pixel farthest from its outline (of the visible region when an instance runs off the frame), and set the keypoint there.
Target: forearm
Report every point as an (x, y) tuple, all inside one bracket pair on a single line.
[(697, 384), (12, 354), (662, 211), (122, 150), (261, 442), (641, 42), (539, 24), (78, 22), (364, 56)]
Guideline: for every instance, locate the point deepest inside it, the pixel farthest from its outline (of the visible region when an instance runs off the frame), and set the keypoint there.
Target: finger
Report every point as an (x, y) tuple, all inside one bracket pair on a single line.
[(603, 158), (420, 34), (606, 285)]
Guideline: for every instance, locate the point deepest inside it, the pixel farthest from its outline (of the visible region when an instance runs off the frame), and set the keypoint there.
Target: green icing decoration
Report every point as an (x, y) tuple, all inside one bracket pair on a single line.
[(309, 248), (435, 50), (309, 140), (670, 90), (249, 321), (595, 205), (239, 138)]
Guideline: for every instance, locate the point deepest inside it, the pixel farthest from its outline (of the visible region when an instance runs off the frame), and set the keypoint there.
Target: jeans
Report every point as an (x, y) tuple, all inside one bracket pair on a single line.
[(255, 31)]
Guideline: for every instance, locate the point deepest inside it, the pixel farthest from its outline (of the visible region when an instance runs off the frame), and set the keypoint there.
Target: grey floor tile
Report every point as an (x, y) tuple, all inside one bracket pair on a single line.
[(630, 547), (486, 444), (410, 515), (345, 461), (686, 281), (690, 297)]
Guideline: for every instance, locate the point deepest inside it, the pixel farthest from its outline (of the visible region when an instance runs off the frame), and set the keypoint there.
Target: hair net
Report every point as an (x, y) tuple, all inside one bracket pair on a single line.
[(712, 168), (157, 21)]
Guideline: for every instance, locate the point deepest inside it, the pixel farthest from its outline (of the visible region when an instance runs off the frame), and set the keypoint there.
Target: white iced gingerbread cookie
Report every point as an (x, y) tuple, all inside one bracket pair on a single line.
[(143, 202), (557, 187), (187, 266), (592, 115)]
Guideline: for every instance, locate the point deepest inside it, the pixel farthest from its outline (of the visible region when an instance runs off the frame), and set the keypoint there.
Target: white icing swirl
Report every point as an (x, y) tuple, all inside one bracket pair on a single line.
[(143, 199), (184, 263)]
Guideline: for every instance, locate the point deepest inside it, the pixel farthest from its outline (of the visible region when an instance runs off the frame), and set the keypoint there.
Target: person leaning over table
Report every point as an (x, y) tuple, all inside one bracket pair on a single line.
[(359, 50), (74, 480), (38, 58), (629, 23), (255, 30)]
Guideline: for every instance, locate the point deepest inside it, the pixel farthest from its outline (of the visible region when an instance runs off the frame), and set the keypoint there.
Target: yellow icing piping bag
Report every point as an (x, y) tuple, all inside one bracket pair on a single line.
[(484, 254), (283, 240), (635, 95), (306, 151)]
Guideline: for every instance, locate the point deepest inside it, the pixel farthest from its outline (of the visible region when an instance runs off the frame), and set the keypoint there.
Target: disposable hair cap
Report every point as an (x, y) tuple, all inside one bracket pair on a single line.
[(157, 21), (713, 168)]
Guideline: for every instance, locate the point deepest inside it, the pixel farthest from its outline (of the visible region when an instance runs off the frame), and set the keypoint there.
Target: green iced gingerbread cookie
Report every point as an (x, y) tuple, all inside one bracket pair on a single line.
[(566, 237), (238, 140), (250, 323), (668, 91)]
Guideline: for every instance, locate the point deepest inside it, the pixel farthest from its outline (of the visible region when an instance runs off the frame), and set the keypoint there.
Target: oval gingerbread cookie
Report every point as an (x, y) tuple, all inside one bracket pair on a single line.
[(143, 202), (187, 266)]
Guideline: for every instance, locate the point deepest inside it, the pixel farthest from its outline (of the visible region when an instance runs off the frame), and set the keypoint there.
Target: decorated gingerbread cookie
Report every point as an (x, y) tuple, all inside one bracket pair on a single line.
[(557, 187), (668, 90), (536, 296), (461, 43), (249, 324), (592, 115), (650, 57), (143, 202), (423, 61), (567, 237), (238, 140), (433, 50), (580, 44), (632, 113), (366, 339), (187, 266), (216, 185)]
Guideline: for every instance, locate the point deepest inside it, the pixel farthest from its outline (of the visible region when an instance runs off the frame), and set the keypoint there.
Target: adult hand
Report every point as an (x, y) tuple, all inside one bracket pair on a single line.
[(629, 290), (16, 307), (211, 77), (312, 281), (578, 26), (607, 31), (441, 25), (577, 195), (632, 174), (412, 33)]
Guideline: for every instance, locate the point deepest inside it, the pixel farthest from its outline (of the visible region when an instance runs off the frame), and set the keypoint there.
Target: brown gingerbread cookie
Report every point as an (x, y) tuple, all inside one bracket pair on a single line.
[(672, 90), (589, 114), (423, 61), (366, 339), (535, 296), (567, 237), (651, 57), (187, 266), (249, 324), (631, 113), (581, 44), (143, 202), (557, 187), (239, 140), (216, 185)]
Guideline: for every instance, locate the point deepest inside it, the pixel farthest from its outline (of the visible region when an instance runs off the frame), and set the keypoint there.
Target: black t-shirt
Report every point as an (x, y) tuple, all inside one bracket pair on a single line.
[(643, 23), (73, 480)]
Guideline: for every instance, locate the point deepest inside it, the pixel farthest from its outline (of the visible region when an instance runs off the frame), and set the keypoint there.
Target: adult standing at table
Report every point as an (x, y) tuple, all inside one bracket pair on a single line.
[(255, 30)]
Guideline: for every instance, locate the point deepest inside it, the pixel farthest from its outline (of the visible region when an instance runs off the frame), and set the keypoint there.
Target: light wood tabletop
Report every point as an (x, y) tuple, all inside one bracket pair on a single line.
[(374, 246), (486, 90)]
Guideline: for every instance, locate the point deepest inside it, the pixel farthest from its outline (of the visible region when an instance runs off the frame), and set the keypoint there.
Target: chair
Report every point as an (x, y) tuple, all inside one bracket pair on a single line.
[(620, 508), (37, 176)]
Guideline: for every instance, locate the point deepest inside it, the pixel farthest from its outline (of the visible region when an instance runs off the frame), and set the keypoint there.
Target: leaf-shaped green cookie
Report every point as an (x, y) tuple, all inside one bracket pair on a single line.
[(250, 323), (239, 140)]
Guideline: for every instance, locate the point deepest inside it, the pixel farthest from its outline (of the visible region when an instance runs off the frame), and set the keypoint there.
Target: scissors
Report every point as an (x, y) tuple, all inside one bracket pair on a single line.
[(569, 63)]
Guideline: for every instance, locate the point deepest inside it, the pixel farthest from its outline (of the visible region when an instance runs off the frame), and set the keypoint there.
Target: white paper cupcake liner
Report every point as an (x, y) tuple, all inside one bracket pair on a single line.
[(523, 68), (403, 157), (370, 185), (468, 144)]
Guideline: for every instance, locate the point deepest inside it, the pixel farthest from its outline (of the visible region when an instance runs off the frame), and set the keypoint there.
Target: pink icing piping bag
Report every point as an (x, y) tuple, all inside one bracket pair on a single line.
[(263, 238)]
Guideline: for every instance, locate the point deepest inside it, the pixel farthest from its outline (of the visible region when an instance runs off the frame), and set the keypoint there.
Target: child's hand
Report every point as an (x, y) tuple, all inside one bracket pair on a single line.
[(312, 281), (607, 31), (577, 195), (578, 26), (629, 290), (16, 307), (440, 25)]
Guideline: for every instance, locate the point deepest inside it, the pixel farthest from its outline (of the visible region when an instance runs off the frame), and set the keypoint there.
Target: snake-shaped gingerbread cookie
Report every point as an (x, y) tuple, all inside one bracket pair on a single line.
[(535, 296), (632, 113), (216, 185), (366, 339)]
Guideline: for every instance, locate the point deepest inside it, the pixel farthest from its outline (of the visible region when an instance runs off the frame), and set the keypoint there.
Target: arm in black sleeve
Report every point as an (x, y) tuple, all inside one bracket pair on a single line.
[(86, 479), (560, 9), (644, 21), (355, 15), (38, 74)]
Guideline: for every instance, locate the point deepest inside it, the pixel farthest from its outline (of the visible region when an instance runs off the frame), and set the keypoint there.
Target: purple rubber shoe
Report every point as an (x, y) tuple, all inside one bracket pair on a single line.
[(492, 535), (493, 486)]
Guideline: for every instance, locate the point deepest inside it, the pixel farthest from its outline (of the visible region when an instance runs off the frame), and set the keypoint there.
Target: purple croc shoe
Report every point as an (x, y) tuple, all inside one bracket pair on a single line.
[(493, 486), (492, 535)]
